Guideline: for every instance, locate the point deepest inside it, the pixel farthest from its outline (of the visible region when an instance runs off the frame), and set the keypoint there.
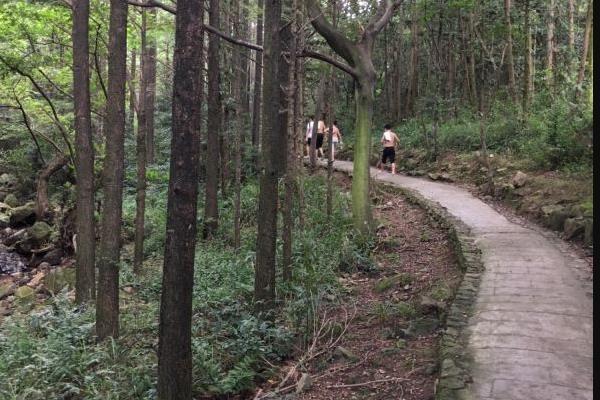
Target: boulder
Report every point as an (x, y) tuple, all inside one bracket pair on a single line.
[(519, 179), (40, 232), (6, 289), (4, 220), (24, 295), (444, 176), (503, 190), (8, 182), (22, 215), (423, 326), (573, 227), (12, 201), (588, 234), (554, 216), (429, 305), (433, 176), (304, 383), (59, 278), (53, 257), (343, 352)]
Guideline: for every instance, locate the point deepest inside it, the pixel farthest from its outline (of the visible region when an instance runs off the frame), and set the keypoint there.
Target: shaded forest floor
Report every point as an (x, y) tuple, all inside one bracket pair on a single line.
[(389, 316)]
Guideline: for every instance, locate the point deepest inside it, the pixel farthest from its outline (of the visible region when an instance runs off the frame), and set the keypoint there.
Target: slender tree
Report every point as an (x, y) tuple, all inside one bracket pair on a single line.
[(107, 300), (174, 342), (142, 148), (85, 280), (256, 102), (211, 206), (359, 56), (586, 42), (150, 93), (271, 144), (510, 65)]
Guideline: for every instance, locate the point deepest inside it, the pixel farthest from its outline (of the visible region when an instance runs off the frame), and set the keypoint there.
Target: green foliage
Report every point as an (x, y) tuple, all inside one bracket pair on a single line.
[(554, 135), (53, 354)]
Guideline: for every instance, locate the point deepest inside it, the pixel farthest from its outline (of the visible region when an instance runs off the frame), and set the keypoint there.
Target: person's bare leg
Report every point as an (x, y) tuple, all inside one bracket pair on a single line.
[(393, 168)]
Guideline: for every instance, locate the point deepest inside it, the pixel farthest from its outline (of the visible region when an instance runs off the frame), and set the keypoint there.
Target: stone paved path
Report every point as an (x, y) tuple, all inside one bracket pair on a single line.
[(531, 333)]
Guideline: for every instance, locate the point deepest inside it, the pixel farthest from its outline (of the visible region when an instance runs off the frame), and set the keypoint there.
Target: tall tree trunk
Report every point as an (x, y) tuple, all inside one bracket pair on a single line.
[(175, 328), (472, 77), (288, 73), (571, 28), (586, 42), (361, 203), (256, 103), (107, 300), (413, 82), (238, 128), (151, 91), (550, 43), (299, 127), (85, 276), (141, 149), (510, 65), (264, 280), (528, 72), (211, 205), (132, 74)]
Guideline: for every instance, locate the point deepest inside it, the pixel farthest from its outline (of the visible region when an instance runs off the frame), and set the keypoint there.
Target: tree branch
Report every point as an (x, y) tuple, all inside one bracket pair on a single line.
[(231, 39), (153, 3), (57, 122), (26, 122), (97, 63), (338, 42), (330, 60), (381, 18)]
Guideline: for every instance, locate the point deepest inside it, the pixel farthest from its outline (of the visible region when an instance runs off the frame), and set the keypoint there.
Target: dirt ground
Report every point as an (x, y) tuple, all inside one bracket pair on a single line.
[(379, 356)]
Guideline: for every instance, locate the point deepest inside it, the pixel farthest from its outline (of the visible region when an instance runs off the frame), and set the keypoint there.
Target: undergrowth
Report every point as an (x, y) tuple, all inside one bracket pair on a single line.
[(51, 353)]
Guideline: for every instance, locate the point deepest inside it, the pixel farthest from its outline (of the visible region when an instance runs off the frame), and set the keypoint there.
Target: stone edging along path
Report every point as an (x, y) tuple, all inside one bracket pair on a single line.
[(520, 326)]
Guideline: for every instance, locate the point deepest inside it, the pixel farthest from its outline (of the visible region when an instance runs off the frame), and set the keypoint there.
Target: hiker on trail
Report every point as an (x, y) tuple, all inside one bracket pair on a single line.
[(321, 128), (389, 140), (336, 139), (309, 129)]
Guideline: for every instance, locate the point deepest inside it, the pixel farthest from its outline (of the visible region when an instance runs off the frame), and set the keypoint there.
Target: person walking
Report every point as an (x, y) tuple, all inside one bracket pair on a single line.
[(336, 139), (321, 129), (308, 136), (389, 140)]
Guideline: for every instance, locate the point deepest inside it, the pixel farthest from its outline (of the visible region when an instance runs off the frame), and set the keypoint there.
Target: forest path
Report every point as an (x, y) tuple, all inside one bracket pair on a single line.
[(530, 335)]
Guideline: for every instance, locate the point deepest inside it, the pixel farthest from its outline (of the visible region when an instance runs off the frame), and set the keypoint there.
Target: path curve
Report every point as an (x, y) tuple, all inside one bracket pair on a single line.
[(530, 335)]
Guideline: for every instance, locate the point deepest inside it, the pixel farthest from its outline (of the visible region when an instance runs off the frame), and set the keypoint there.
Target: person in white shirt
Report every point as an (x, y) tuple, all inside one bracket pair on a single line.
[(308, 135), (389, 140)]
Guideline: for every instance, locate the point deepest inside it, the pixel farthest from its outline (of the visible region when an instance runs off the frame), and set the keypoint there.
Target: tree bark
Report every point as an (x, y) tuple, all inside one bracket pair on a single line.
[(359, 56), (174, 343), (150, 94), (571, 28), (287, 74), (131, 78), (238, 130), (107, 300), (528, 72), (85, 276), (41, 200), (264, 280), (256, 103), (211, 206), (550, 43), (141, 149), (510, 65), (586, 43)]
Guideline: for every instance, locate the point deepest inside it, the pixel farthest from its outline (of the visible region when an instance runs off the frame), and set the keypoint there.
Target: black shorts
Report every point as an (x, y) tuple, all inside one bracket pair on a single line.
[(388, 153), (320, 137)]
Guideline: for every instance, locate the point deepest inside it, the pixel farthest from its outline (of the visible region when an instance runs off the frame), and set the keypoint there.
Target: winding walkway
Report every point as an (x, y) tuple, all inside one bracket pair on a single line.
[(531, 333)]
